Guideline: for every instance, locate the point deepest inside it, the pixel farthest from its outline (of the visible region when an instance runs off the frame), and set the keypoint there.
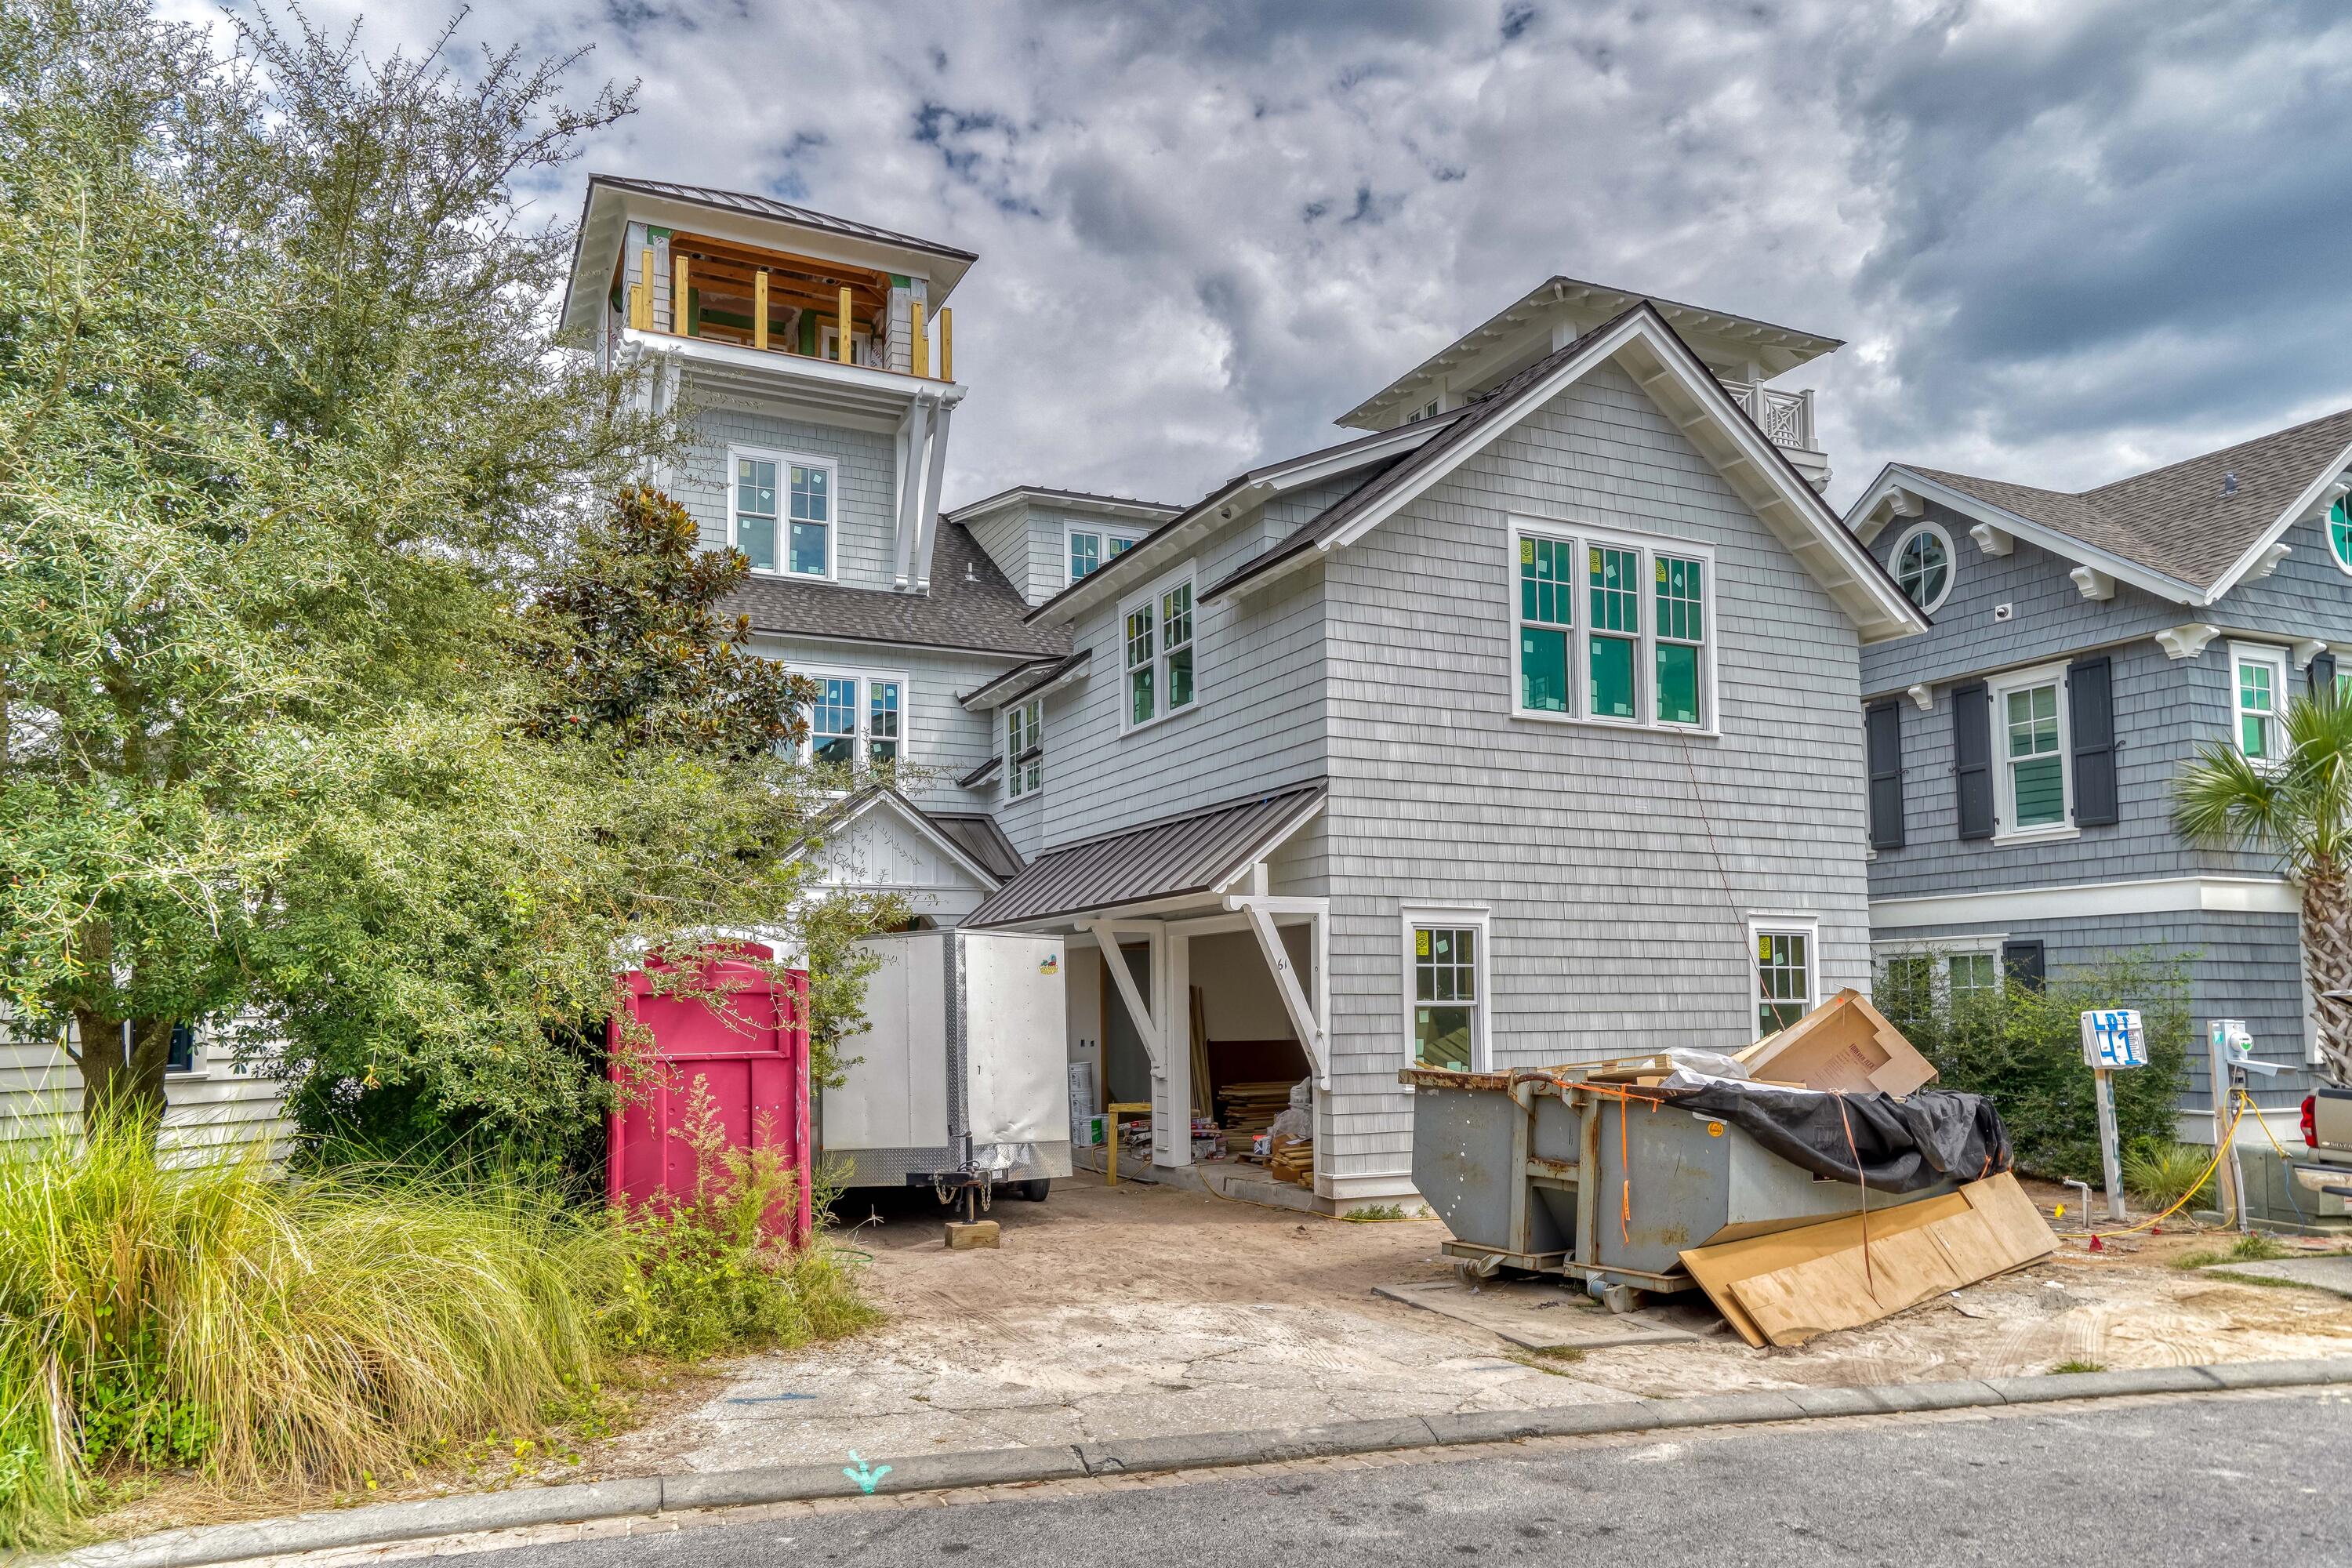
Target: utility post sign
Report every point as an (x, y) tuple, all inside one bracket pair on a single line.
[(2113, 1038)]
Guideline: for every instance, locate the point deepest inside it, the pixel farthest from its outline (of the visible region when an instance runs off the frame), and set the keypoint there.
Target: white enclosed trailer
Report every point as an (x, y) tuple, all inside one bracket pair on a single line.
[(959, 1081)]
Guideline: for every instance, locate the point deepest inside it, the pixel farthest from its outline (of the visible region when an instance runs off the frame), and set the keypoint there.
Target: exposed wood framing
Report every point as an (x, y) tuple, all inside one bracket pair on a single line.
[(947, 343), (841, 328), (759, 310), (679, 321)]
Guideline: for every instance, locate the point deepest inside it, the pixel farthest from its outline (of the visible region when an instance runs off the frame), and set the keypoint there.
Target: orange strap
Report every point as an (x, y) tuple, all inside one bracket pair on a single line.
[(1868, 1282)]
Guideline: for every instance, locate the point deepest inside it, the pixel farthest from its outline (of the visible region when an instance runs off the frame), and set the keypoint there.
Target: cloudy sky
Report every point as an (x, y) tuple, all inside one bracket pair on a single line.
[(2063, 240)]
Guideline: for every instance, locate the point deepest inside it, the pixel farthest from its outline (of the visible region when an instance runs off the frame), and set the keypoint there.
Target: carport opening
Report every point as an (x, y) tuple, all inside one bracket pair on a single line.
[(1245, 1052)]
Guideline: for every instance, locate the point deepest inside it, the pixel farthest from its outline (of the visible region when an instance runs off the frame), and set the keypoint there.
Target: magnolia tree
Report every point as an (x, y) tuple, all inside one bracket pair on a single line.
[(2299, 814), (307, 724)]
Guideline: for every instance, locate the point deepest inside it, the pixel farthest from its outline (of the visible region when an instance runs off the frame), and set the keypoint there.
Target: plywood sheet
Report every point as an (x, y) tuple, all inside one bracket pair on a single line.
[(1785, 1288)]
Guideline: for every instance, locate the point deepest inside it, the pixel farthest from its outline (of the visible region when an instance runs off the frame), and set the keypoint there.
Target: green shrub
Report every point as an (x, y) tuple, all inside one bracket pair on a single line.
[(2023, 1050), (705, 1273), (2160, 1173), (324, 1330)]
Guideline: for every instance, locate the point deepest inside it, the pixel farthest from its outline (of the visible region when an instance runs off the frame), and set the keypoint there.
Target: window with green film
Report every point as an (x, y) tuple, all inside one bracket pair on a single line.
[(2036, 770), (1547, 607), (1910, 987), (1176, 642), (1681, 631), (1974, 974), (1446, 995), (2339, 530), (1141, 696), (1614, 579), (1784, 989), (2257, 700)]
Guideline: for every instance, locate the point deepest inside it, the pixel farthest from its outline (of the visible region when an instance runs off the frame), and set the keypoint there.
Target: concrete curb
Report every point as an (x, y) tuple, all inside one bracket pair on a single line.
[(1133, 1456)]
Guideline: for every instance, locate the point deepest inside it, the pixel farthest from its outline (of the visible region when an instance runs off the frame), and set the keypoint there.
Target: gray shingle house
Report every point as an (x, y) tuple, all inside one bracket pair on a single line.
[(1519, 727), (2022, 751)]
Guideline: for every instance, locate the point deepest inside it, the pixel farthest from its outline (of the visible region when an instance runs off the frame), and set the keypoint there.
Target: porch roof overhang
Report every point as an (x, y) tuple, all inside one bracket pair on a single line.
[(1175, 863)]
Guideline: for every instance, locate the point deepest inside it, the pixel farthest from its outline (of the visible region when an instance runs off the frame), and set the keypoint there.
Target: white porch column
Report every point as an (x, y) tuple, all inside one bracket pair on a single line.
[(1172, 1092)]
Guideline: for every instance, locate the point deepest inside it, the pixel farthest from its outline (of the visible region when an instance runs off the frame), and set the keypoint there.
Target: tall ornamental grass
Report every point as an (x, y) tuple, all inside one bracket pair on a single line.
[(268, 1331)]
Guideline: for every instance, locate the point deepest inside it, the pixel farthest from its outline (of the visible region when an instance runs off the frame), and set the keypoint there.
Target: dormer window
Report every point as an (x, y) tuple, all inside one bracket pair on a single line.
[(784, 512), (1091, 547), (2340, 531), (1922, 565)]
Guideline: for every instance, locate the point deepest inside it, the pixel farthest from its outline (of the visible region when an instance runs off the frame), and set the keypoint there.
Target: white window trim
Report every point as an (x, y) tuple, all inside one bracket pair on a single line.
[(2275, 657), (1764, 924), (1102, 531), (1183, 577), (1951, 561), (2328, 533), (2004, 803), (1472, 917), (1976, 944), (785, 461), (1004, 746), (865, 709), (1646, 656)]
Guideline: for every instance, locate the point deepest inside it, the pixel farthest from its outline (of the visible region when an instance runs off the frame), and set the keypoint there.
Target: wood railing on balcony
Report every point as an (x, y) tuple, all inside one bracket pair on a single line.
[(1785, 418), (726, 292)]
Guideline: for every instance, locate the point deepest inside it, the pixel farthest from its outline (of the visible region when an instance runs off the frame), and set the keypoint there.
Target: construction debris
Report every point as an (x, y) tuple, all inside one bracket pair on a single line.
[(1293, 1160), (1246, 1110), (1785, 1288), (1844, 1045)]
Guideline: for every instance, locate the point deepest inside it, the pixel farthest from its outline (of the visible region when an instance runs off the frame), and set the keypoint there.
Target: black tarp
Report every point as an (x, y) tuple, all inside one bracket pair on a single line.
[(1903, 1145)]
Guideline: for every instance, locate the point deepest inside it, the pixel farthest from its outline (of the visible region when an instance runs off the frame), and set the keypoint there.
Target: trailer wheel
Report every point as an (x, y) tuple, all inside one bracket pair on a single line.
[(1034, 1190)]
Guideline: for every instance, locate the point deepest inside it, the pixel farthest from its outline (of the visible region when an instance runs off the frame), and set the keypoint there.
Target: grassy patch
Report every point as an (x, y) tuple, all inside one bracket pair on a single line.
[(331, 1331), (1373, 1213), (2065, 1368), (2239, 1277), (1553, 1359), (2161, 1174), (2251, 1248)]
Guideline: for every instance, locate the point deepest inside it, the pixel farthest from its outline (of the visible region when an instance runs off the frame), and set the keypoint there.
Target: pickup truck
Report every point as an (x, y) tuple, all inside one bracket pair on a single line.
[(2327, 1175)]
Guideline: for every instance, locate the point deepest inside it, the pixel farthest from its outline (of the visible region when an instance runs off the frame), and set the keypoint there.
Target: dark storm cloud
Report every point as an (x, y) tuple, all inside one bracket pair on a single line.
[(2062, 240)]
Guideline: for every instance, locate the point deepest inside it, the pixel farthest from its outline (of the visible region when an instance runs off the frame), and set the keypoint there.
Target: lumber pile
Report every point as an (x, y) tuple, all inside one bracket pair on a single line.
[(1292, 1160), (1248, 1108)]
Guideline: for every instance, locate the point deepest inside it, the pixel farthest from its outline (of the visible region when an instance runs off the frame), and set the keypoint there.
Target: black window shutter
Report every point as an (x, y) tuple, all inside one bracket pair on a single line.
[(1972, 758), (2322, 677), (1882, 735), (2091, 709), (2023, 962)]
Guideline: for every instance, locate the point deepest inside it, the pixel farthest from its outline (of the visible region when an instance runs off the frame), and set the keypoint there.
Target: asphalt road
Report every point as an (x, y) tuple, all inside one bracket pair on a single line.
[(2235, 1480)]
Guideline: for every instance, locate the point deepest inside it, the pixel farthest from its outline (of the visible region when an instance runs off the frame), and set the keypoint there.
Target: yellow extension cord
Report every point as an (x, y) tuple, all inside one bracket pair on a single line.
[(2220, 1147)]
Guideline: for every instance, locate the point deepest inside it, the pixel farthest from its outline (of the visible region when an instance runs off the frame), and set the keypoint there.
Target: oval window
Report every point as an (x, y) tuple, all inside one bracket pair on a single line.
[(1922, 565), (2340, 531)]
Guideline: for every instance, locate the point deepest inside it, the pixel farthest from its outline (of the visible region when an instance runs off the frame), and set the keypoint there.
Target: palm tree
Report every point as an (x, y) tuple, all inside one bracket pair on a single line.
[(2299, 811)]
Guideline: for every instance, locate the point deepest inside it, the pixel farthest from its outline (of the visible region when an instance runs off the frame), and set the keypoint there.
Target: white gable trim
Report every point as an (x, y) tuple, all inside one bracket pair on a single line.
[(1898, 477), (2313, 495), (1750, 465), (922, 825)]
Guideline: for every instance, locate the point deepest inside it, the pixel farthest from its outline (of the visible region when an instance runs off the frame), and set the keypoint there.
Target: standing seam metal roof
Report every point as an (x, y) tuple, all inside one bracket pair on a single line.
[(1196, 853)]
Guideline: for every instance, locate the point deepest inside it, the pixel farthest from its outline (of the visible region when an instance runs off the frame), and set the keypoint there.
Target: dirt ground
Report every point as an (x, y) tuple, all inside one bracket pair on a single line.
[(1142, 1309)]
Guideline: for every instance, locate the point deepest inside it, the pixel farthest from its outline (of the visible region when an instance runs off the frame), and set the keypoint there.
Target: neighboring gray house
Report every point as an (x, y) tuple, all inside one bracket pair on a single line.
[(1518, 728), (2084, 647)]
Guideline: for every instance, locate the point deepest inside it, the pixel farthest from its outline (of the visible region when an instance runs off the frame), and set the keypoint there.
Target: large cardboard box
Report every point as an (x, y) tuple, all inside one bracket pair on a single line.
[(1843, 1044)]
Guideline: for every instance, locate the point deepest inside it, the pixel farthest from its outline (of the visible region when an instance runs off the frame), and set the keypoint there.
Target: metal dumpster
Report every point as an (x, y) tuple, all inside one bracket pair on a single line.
[(1541, 1170)]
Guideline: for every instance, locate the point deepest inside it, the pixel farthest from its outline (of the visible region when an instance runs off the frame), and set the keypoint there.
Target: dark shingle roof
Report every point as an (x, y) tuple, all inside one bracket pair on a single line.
[(1195, 853), (969, 605), (2176, 520)]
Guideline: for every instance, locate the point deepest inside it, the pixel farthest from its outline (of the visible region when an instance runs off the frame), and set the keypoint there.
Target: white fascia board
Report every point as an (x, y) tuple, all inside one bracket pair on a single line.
[(1827, 531), (1232, 502), (878, 391), (990, 695), (2310, 497), (2080, 901), (1051, 500), (1860, 519), (2065, 545)]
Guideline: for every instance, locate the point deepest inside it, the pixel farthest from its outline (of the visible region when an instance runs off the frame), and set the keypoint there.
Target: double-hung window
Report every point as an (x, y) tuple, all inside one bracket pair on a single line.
[(1786, 971), (1445, 991), (1024, 747), (1614, 630), (784, 513), (2258, 684), (1091, 547), (856, 720), (1156, 639), (2033, 782)]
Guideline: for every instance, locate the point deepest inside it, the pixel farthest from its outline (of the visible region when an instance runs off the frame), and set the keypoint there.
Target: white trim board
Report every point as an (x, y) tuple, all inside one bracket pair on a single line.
[(2077, 900)]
